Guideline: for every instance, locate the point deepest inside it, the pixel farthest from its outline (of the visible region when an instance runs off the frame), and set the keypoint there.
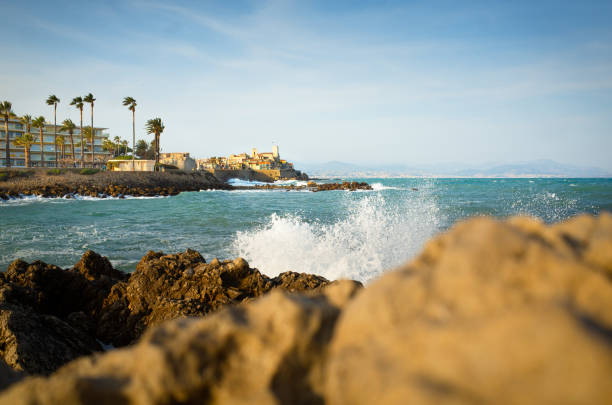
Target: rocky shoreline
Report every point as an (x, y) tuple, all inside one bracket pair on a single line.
[(311, 186), (69, 184), (506, 312), (50, 316)]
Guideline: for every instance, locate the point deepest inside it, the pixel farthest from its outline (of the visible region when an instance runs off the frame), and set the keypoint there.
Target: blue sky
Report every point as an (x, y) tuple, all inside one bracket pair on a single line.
[(413, 82)]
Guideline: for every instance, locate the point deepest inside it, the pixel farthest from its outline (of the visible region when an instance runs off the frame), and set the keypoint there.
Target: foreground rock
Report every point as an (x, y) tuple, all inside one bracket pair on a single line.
[(49, 316), (513, 312)]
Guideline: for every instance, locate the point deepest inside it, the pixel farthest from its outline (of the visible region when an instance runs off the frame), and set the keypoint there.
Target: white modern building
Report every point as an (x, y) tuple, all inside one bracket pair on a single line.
[(17, 153)]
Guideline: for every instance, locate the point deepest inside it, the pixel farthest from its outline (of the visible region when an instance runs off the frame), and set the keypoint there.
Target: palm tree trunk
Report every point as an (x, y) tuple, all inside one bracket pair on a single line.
[(72, 146), (55, 132), (27, 153), (133, 139), (6, 134), (156, 152), (82, 147), (93, 137), (42, 153)]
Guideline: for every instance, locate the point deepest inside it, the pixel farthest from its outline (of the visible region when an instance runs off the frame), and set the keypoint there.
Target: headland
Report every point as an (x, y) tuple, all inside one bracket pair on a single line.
[(94, 183)]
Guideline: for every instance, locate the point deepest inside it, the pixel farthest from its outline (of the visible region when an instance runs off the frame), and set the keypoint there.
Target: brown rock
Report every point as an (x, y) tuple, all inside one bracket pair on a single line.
[(171, 286), (490, 312), (39, 343)]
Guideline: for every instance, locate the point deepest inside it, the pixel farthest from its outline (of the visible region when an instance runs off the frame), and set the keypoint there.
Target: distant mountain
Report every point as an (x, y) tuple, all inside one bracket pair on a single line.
[(536, 168)]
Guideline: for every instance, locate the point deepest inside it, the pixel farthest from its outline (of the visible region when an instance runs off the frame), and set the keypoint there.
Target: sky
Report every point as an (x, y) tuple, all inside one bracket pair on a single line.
[(366, 82)]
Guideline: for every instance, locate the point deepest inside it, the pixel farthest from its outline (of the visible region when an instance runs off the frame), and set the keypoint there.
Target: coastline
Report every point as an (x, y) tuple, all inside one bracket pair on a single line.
[(69, 182)]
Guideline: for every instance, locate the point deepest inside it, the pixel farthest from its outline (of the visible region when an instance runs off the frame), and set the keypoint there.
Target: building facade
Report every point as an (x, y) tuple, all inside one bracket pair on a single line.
[(181, 160), (254, 161), (47, 157), (140, 165)]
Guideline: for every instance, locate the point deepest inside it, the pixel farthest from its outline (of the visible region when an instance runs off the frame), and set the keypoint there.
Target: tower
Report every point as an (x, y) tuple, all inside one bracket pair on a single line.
[(275, 152), (254, 153)]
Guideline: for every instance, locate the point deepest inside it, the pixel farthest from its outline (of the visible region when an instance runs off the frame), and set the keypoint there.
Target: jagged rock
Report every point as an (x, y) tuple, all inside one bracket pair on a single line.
[(39, 343), (299, 282), (47, 313), (170, 286), (52, 290), (491, 312)]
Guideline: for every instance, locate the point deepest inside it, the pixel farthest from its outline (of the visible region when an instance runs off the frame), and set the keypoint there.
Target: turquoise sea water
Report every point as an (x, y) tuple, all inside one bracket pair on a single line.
[(335, 234)]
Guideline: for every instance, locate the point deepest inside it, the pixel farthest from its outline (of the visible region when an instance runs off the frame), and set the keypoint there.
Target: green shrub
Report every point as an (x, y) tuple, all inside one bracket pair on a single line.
[(54, 172), (3, 176), (88, 171)]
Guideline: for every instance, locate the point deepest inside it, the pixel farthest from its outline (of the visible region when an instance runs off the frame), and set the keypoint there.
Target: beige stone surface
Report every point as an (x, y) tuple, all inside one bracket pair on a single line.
[(490, 312)]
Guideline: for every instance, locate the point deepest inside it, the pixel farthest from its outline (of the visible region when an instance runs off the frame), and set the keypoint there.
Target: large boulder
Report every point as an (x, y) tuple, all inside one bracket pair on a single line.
[(490, 312)]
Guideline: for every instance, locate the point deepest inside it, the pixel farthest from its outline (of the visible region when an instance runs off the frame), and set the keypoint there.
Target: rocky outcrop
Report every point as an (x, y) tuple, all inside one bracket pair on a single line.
[(49, 316), (345, 185), (170, 286), (311, 186), (69, 183), (491, 312)]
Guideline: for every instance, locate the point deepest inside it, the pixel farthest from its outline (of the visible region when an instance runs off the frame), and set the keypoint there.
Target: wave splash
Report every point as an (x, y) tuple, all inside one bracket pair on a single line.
[(377, 234)]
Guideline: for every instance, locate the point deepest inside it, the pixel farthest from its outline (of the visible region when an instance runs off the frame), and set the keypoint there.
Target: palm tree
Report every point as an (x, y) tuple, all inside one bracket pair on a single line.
[(155, 126), (69, 126), (117, 143), (125, 147), (90, 137), (78, 103), (108, 146), (53, 100), (60, 141), (131, 105), (40, 124), (6, 110), (26, 140), (26, 120), (90, 99)]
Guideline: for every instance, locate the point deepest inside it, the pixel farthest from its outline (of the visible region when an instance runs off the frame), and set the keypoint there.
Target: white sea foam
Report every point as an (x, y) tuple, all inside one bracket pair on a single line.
[(245, 183), (29, 199), (253, 183), (376, 235), (380, 187), (297, 183)]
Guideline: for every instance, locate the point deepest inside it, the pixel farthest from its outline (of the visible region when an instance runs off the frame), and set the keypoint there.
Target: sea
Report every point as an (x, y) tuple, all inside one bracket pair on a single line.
[(336, 234)]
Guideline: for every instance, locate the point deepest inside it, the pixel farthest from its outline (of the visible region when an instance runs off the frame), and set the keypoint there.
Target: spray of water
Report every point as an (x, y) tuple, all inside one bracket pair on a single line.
[(377, 234)]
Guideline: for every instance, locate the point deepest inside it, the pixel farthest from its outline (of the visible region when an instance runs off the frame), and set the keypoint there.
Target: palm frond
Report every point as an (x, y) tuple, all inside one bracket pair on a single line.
[(52, 99)]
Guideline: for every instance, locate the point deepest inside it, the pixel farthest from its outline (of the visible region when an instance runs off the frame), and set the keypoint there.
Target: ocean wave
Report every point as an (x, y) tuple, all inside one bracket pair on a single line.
[(297, 183), (381, 187), (245, 183), (377, 234)]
